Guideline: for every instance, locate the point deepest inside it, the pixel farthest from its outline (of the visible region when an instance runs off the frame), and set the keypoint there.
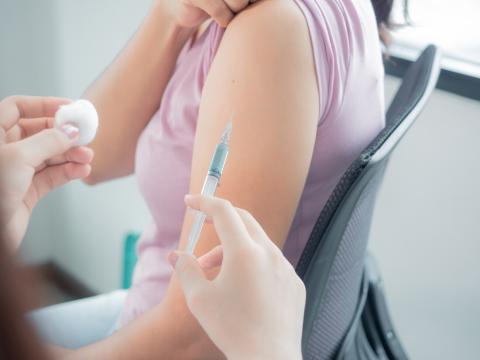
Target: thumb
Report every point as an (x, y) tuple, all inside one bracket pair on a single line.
[(47, 143), (189, 273)]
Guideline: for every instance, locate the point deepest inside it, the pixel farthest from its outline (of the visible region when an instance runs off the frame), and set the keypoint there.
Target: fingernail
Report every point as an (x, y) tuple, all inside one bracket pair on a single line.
[(172, 259), (70, 130)]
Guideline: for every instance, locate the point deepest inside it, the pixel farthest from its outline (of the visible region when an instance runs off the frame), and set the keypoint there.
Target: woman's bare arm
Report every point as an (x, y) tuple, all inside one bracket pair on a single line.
[(264, 73), (129, 92)]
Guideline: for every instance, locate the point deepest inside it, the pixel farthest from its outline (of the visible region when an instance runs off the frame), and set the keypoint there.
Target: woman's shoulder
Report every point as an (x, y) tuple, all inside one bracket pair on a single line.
[(276, 22), (279, 11), (269, 39)]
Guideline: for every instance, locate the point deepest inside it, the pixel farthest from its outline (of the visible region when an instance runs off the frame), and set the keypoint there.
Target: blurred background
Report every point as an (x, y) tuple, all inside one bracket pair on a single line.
[(425, 233)]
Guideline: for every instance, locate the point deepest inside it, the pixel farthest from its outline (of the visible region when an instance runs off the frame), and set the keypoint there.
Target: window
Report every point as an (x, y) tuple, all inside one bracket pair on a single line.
[(452, 25)]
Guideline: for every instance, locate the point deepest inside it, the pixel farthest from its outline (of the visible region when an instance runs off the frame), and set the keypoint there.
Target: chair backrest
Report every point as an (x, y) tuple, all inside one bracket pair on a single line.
[(332, 262)]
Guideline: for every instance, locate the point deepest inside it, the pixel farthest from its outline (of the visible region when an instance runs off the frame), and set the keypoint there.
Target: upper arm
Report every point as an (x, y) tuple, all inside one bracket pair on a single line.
[(264, 74)]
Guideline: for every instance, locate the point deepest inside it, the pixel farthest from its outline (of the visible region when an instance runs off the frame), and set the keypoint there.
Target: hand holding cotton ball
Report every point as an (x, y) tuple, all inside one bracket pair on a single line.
[(81, 114)]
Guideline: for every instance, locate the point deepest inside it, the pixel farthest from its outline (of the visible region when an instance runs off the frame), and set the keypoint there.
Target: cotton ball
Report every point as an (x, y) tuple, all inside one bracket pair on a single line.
[(81, 114)]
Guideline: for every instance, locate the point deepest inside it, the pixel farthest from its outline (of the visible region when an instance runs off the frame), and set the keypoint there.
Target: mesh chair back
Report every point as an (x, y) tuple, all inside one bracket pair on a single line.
[(332, 262)]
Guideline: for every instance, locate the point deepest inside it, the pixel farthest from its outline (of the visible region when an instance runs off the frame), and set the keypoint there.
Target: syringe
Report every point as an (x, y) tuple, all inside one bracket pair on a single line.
[(210, 185)]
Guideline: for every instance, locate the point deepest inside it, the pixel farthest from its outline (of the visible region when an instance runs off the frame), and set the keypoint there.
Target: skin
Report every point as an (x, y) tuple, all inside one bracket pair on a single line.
[(34, 159), (38, 158), (126, 98), (273, 92), (242, 298)]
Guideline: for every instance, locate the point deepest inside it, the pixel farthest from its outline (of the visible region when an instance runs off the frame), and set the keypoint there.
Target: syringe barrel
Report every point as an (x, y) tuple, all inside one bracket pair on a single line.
[(209, 187), (218, 161)]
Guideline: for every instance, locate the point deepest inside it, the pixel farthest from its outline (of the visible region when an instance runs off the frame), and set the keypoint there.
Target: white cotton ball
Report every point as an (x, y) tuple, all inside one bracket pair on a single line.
[(81, 114)]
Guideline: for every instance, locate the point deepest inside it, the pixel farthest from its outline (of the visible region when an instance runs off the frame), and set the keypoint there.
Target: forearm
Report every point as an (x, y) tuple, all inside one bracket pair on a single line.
[(168, 331), (129, 92)]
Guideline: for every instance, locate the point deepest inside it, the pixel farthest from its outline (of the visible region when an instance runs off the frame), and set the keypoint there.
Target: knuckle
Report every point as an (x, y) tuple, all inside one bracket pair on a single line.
[(182, 266), (248, 252), (226, 204), (242, 211), (9, 99), (222, 206), (252, 220), (262, 251), (275, 252), (49, 180), (57, 138), (245, 213), (66, 174), (301, 286), (15, 153)]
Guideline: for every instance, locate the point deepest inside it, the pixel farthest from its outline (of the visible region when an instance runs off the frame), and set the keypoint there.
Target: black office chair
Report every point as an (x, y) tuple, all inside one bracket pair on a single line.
[(346, 315)]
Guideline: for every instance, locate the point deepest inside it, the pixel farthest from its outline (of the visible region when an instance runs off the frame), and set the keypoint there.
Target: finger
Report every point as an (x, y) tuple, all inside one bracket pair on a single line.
[(46, 144), (229, 226), (15, 108), (53, 177), (28, 127), (208, 219), (33, 126), (189, 273), (217, 9), (79, 155), (253, 227), (212, 259)]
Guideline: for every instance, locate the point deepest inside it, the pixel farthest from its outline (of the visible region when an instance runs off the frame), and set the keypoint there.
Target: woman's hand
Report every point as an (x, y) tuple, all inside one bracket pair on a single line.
[(254, 308), (192, 13), (34, 159)]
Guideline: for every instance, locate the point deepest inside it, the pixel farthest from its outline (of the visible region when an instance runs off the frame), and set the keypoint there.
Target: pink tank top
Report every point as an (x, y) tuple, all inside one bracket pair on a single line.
[(349, 67)]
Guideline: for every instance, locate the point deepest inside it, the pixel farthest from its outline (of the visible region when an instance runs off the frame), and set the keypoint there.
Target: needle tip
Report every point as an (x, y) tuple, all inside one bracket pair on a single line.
[(227, 132)]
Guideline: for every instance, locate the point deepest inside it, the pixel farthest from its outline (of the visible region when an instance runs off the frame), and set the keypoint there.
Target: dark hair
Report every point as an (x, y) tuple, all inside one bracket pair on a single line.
[(17, 338), (383, 13)]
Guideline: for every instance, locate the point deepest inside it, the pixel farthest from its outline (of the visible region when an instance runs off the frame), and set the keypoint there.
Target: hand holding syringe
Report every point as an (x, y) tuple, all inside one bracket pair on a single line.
[(210, 185), (239, 309)]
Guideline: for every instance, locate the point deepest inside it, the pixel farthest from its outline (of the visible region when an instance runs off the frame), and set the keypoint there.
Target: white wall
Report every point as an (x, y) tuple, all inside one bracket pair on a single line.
[(28, 65), (90, 34), (59, 47), (424, 233)]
